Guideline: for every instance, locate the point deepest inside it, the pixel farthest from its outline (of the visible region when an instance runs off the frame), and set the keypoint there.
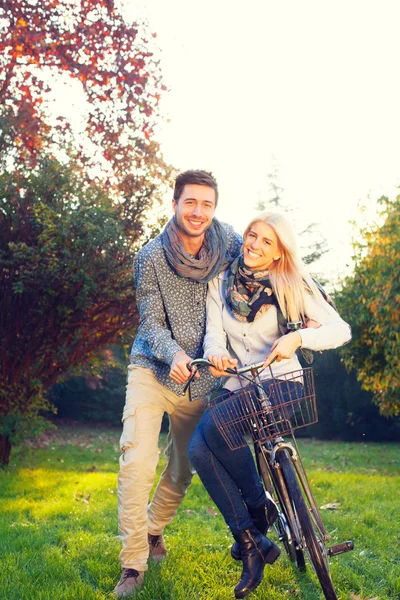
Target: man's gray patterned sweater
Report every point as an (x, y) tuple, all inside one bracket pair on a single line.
[(172, 311)]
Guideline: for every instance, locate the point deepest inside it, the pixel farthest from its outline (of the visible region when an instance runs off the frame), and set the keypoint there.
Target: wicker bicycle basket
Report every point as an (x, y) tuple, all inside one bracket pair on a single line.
[(244, 416)]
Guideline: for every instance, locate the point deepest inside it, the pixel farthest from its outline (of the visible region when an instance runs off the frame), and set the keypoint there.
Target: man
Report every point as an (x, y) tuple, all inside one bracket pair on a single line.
[(171, 274)]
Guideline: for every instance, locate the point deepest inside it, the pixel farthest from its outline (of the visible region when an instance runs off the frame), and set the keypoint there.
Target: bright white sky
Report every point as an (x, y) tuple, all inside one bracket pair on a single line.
[(315, 84)]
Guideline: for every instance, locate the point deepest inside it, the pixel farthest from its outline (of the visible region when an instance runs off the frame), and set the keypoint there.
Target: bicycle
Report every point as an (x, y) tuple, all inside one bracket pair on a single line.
[(253, 415)]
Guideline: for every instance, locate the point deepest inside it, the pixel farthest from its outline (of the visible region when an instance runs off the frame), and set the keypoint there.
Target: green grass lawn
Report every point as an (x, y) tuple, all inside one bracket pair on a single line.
[(58, 526)]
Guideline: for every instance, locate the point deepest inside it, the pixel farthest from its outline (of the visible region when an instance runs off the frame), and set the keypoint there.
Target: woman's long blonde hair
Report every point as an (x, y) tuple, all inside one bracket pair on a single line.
[(288, 275)]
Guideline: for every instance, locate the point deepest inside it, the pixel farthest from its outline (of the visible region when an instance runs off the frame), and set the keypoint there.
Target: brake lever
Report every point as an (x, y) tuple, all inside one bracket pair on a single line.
[(189, 381), (230, 371), (194, 370)]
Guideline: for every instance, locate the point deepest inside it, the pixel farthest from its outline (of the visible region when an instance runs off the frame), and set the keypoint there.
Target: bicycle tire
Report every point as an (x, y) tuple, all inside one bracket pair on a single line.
[(314, 546), (281, 526), (285, 535)]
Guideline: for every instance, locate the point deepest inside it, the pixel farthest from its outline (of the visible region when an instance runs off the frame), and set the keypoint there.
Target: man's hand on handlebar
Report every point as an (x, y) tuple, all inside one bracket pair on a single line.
[(221, 362), (284, 347), (179, 368)]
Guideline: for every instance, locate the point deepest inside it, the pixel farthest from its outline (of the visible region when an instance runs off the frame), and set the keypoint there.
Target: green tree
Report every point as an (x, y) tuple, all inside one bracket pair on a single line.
[(66, 278), (370, 302), (72, 211)]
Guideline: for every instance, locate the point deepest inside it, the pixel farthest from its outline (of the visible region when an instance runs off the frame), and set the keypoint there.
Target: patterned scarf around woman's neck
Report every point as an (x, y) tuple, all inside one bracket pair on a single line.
[(211, 260), (248, 293), (247, 304)]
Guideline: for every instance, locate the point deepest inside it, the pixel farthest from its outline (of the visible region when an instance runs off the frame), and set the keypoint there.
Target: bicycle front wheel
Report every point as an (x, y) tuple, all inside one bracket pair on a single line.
[(285, 534), (311, 537)]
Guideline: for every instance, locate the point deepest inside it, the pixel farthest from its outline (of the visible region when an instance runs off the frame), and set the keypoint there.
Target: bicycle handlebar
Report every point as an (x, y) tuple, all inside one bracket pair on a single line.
[(203, 362)]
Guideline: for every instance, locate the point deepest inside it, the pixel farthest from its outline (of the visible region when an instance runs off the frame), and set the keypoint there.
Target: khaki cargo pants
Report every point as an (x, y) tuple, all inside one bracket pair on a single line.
[(146, 402)]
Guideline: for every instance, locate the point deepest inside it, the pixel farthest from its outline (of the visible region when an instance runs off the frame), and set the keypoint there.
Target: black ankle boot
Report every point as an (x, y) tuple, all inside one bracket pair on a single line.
[(256, 550), (263, 517)]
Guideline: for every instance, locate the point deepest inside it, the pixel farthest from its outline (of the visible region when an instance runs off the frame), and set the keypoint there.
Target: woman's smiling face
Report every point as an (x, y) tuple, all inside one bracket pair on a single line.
[(260, 247)]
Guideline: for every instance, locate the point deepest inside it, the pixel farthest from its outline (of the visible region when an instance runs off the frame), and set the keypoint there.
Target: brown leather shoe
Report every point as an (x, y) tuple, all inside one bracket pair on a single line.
[(131, 580), (157, 549)]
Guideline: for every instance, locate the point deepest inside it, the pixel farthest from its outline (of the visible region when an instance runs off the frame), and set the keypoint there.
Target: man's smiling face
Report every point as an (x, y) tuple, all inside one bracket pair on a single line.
[(195, 210)]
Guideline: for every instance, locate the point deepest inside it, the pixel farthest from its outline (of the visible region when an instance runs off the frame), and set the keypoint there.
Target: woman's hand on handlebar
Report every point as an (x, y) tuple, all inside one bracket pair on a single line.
[(221, 362), (284, 347)]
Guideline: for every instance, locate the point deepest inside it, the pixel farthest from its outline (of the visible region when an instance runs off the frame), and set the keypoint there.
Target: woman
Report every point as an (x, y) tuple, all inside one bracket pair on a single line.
[(248, 309)]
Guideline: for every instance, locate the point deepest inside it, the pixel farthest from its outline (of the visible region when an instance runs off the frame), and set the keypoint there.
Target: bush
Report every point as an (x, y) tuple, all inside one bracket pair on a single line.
[(94, 399), (346, 411)]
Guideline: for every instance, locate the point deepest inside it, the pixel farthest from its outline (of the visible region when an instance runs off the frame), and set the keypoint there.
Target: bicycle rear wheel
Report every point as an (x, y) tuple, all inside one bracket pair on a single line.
[(311, 537)]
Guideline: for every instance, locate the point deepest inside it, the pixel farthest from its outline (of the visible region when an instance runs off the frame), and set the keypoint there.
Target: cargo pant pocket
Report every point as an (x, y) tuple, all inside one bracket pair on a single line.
[(128, 437)]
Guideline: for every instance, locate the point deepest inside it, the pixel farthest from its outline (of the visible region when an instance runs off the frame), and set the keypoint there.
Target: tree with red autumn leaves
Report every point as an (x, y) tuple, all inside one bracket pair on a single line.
[(90, 41), (73, 210)]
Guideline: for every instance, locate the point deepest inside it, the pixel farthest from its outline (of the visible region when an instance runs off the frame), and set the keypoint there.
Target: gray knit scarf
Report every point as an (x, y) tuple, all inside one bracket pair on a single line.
[(211, 260)]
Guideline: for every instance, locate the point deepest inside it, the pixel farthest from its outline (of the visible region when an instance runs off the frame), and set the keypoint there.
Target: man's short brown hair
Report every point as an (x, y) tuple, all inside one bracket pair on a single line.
[(197, 177)]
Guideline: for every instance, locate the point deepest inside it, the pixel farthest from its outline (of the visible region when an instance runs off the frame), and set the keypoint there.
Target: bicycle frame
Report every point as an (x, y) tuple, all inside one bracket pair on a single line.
[(273, 462)]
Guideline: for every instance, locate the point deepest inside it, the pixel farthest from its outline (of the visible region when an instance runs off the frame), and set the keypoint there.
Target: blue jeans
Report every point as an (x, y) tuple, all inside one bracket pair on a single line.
[(229, 476)]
